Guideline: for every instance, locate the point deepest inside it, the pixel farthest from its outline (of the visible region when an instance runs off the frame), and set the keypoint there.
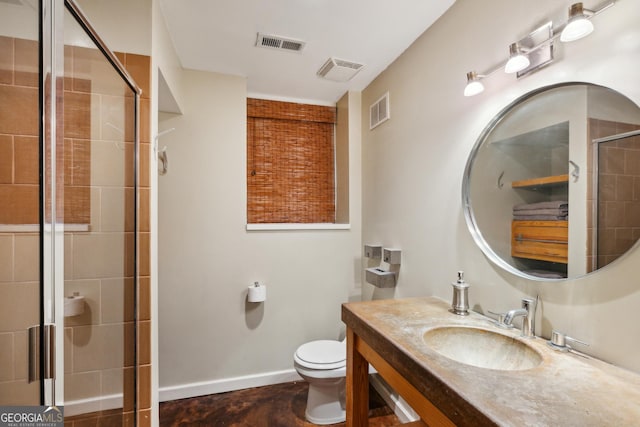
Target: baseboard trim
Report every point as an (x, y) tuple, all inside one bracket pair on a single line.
[(400, 407), (204, 388)]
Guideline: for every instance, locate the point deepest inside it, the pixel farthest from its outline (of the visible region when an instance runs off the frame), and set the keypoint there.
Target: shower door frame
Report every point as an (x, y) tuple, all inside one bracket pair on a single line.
[(51, 55)]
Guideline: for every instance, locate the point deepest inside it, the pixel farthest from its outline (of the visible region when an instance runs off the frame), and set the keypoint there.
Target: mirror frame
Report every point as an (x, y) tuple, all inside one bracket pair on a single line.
[(466, 188)]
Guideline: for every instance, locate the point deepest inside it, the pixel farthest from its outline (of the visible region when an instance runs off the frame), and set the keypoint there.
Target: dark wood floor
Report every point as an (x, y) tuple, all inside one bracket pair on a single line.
[(280, 405)]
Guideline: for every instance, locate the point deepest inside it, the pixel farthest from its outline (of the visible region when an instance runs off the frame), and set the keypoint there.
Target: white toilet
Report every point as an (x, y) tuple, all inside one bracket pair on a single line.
[(323, 364)]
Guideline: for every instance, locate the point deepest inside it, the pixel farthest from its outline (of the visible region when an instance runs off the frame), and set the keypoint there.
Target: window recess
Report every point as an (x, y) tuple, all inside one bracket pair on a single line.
[(290, 163)]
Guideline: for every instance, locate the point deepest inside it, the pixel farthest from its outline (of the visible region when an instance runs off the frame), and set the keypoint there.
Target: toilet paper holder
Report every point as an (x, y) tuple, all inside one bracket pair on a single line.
[(74, 305), (381, 278), (257, 292)]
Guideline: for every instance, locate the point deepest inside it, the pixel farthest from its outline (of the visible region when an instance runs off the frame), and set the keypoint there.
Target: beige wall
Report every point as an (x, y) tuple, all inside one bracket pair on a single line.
[(163, 60), (414, 201), (207, 259), (124, 25), (167, 62), (348, 136)]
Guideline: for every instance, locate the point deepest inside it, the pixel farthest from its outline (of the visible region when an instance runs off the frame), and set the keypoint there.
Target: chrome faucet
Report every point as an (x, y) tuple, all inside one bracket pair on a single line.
[(528, 313)]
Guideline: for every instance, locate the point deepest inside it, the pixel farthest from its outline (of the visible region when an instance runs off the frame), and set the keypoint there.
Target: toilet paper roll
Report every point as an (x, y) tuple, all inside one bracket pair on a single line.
[(257, 293), (73, 305)]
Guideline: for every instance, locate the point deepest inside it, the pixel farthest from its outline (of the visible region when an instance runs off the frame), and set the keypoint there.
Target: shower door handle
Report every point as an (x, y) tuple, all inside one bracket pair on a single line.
[(48, 351)]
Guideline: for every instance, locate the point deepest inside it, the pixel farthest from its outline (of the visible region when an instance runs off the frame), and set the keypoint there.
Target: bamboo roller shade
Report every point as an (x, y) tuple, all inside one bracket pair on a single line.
[(290, 162)]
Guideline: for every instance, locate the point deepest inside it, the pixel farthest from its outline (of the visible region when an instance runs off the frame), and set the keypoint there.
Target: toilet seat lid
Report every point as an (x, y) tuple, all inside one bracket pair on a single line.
[(325, 354)]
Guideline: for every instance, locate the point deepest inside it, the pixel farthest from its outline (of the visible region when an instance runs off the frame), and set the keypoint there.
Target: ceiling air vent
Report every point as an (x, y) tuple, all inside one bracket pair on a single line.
[(280, 43), (339, 70), (379, 111)]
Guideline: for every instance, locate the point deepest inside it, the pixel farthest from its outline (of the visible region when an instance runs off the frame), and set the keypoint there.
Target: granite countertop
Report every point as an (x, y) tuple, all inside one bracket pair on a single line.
[(565, 389)]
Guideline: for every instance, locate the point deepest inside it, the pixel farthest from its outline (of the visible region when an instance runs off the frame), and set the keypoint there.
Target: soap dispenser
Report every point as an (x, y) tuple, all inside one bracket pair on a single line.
[(460, 303)]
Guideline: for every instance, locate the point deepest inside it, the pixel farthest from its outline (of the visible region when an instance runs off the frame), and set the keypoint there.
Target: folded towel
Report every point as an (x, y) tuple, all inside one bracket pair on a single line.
[(558, 204), (557, 212), (546, 274), (540, 217)]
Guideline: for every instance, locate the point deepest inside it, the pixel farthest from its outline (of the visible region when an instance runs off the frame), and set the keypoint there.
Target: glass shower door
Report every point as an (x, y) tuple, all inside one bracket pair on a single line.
[(20, 246), (99, 177), (68, 196)]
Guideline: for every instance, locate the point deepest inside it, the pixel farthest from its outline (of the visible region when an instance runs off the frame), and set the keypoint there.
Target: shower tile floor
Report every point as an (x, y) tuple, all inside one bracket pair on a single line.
[(280, 405)]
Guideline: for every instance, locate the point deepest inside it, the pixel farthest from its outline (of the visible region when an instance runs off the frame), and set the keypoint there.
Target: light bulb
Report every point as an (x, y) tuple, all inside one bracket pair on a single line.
[(578, 26), (474, 85), (518, 61), (576, 30)]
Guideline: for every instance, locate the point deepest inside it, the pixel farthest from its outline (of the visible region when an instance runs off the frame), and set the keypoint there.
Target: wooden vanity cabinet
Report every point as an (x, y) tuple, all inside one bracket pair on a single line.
[(359, 355)]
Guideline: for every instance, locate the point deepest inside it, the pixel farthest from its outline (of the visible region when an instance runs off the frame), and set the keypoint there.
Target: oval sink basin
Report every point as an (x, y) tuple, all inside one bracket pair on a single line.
[(482, 348)]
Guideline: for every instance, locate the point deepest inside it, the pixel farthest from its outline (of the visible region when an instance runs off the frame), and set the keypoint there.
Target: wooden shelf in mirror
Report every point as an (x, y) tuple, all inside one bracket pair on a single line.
[(542, 182)]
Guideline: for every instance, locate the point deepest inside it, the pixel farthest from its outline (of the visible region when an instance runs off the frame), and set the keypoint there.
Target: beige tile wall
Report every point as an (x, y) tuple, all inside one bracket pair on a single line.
[(19, 194), (19, 139), (619, 191), (93, 347), (14, 389), (139, 67), (97, 264)]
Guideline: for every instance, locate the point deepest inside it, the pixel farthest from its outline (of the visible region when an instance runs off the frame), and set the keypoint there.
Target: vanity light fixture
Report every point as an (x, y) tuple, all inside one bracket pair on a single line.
[(536, 50), (518, 60)]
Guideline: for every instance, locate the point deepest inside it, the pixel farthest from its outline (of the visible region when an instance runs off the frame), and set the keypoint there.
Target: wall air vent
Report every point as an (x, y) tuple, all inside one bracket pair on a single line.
[(281, 43), (379, 111), (339, 70)]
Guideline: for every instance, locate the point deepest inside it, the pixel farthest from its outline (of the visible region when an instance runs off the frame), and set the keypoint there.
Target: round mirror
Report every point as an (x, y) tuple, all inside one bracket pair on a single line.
[(551, 189)]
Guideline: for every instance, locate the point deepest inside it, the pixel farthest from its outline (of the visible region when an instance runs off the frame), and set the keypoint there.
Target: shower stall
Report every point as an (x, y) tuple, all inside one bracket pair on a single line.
[(68, 215)]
